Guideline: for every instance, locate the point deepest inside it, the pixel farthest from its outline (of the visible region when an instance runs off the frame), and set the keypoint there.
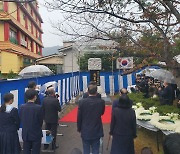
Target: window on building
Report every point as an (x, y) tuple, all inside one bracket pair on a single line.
[(27, 61), (23, 41), (13, 36)]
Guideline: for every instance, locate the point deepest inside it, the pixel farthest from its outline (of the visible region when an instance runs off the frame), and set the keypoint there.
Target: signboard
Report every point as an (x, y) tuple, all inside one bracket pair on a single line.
[(124, 63), (94, 64), (95, 76)]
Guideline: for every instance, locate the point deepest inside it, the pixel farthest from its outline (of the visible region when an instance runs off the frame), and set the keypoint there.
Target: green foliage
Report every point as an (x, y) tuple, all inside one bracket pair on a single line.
[(146, 102), (11, 75), (164, 109), (149, 102)]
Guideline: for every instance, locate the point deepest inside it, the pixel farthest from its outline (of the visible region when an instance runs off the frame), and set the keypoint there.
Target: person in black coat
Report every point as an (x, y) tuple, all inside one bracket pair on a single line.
[(32, 85), (166, 95), (9, 124), (51, 107), (31, 116), (89, 122), (123, 127)]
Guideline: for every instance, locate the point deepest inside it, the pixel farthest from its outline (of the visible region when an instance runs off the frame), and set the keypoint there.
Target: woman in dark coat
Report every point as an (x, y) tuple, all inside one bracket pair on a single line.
[(9, 124), (123, 127)]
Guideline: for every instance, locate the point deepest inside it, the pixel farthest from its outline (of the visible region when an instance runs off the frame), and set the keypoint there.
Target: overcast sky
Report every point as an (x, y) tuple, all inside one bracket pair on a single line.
[(49, 39)]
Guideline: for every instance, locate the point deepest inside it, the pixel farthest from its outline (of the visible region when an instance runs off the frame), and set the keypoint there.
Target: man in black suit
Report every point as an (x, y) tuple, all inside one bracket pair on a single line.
[(89, 122), (32, 85), (31, 116), (166, 95), (51, 107), (85, 95)]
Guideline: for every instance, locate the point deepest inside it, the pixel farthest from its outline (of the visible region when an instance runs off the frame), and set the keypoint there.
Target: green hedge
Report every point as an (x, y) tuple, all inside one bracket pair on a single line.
[(149, 102)]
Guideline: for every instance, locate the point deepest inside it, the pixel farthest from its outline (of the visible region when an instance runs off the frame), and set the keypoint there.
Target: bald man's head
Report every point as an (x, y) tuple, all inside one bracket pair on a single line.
[(123, 91), (51, 91)]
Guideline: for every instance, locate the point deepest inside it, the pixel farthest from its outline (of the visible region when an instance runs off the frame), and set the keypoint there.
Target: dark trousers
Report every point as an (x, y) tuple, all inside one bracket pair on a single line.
[(32, 146), (91, 144), (53, 128)]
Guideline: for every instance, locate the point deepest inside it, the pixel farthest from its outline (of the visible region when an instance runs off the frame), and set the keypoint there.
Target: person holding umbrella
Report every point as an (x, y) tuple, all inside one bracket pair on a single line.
[(123, 127)]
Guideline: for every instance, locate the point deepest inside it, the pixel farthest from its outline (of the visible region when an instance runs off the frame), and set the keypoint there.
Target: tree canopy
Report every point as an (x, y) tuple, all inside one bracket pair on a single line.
[(141, 27)]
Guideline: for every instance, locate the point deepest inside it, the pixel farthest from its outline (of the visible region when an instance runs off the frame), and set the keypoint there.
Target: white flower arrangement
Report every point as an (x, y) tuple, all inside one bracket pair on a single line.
[(134, 107), (173, 116), (169, 122), (143, 114), (139, 105), (152, 109), (164, 122)]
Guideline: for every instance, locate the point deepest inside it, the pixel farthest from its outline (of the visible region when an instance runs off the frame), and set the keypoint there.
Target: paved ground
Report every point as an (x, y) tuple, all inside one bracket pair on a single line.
[(72, 139)]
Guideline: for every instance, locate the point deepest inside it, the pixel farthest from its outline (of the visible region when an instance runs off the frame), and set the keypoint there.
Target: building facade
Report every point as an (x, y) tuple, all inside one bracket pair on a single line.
[(20, 35), (73, 50), (54, 62)]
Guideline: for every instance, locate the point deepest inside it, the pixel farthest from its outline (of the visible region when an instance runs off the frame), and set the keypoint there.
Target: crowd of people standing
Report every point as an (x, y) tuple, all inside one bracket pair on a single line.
[(89, 123), (167, 92), (31, 115)]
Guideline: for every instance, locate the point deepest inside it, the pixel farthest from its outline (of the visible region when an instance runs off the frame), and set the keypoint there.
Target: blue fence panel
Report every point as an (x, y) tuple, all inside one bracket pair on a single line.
[(18, 87), (69, 84)]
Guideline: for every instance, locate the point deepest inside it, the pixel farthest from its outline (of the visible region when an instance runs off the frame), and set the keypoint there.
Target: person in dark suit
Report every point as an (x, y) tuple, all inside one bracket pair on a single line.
[(166, 95), (85, 95), (123, 127), (115, 103), (51, 107), (9, 124), (31, 116), (89, 122), (32, 85)]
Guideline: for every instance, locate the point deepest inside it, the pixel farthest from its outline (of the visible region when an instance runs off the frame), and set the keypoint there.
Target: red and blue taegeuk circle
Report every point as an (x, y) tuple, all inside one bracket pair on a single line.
[(124, 62)]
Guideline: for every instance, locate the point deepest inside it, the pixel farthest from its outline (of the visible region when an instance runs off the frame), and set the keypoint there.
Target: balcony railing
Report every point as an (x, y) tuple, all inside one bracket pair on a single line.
[(13, 40)]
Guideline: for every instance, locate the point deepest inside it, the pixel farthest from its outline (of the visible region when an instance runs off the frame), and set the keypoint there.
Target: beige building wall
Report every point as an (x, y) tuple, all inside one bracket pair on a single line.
[(1, 31), (22, 19), (12, 7), (52, 60)]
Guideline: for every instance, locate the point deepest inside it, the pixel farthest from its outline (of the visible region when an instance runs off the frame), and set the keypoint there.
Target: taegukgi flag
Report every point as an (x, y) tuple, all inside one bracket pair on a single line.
[(124, 63)]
